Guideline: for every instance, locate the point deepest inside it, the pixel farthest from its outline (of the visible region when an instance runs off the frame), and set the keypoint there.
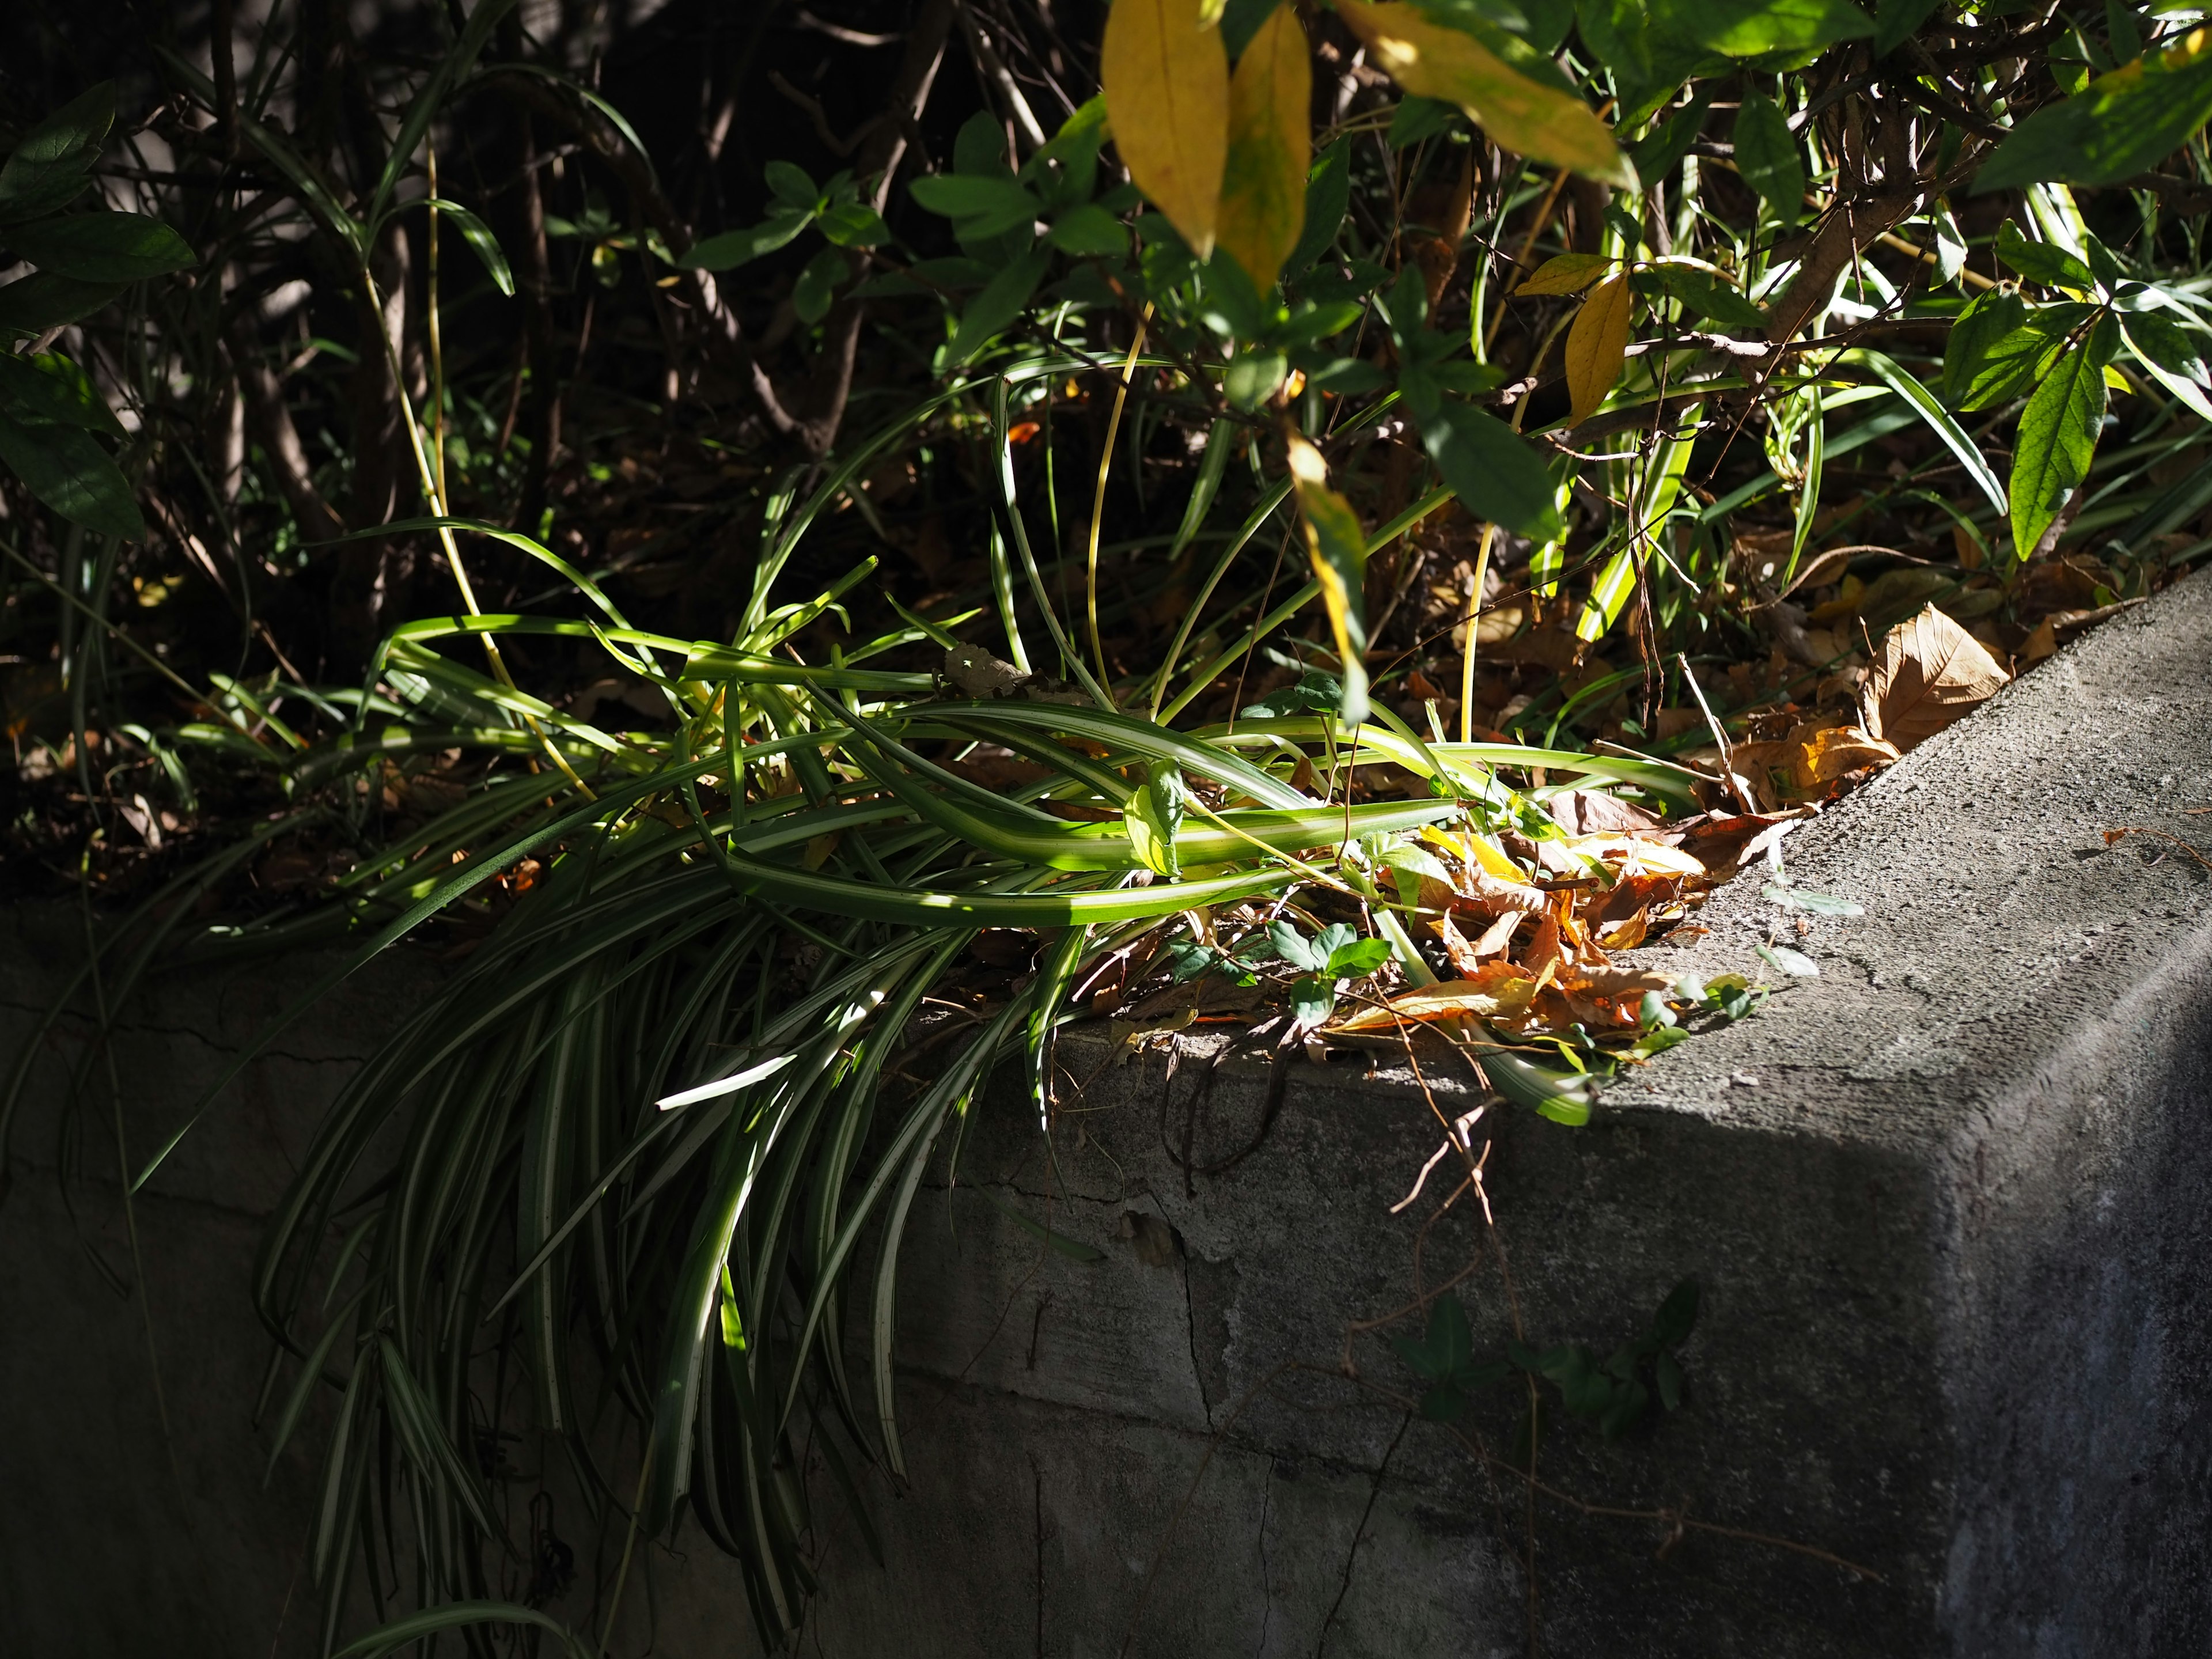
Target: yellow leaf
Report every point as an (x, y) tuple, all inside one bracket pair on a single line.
[(1824, 754), (1500, 990), (1433, 61), (1567, 273), (1595, 346), (1338, 548), (1636, 855), (1931, 672), (1166, 79), (1263, 193)]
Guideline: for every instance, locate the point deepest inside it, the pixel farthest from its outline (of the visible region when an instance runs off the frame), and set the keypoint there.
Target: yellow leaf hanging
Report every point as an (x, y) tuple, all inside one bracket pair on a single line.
[(1166, 78), (1263, 193), (1565, 273), (1596, 345), (1431, 60), (1338, 548)]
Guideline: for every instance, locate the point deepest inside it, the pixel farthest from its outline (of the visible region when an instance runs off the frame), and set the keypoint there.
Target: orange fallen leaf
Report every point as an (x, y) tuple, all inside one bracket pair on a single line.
[(1823, 754), (1931, 672)]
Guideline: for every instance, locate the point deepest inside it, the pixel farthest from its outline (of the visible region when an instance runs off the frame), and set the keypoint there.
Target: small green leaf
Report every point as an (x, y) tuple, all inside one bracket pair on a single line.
[(2013, 365), (1766, 155), (31, 305), (791, 186), (1336, 546), (1252, 378), (1312, 999), (1496, 473), (485, 246), (65, 467), (1796, 963), (1328, 198), (2042, 262), (1089, 231), (1295, 947), (51, 389), (1564, 1098), (1708, 297), (101, 247), (51, 166), (2120, 125), (1189, 957), (998, 305), (2174, 355), (1361, 957), (2058, 435), (1447, 1348), (854, 224), (1658, 152), (816, 290), (1677, 1315), (979, 206), (1153, 816), (1895, 21), (1417, 118), (733, 248), (1745, 28)]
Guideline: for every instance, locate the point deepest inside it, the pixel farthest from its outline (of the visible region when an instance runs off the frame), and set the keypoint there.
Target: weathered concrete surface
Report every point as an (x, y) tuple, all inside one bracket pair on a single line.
[(1946, 1203), (116, 1537)]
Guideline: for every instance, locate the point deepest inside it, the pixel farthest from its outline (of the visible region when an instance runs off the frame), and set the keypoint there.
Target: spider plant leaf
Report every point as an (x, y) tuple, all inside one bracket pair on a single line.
[(453, 65), (1145, 738), (458, 1615)]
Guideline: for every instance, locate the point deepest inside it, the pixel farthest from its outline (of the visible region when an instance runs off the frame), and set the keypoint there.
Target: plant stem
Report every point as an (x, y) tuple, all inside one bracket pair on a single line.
[(1098, 497)]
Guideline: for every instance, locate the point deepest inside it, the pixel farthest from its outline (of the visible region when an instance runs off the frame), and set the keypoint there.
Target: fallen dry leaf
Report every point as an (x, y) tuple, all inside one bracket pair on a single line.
[(1824, 753), (1456, 949), (1637, 855), (1719, 841), (1485, 895), (1588, 812), (1499, 935), (1931, 672), (1618, 981), (1499, 991)]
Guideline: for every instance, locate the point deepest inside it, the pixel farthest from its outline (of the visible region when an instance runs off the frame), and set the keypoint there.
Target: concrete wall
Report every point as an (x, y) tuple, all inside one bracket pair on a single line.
[(1946, 1202)]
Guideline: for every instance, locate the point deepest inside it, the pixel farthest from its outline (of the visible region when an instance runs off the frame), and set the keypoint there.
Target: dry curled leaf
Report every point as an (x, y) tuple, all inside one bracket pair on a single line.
[(1931, 672), (1823, 754)]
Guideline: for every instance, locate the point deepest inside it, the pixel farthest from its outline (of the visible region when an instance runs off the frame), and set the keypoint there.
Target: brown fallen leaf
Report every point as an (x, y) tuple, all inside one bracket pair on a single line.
[(1589, 812), (1456, 949), (1718, 842), (1485, 895), (1618, 981), (1930, 673), (1499, 935)]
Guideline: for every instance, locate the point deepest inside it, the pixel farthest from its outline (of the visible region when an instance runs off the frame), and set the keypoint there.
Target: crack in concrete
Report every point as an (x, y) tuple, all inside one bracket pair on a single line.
[(1360, 1533), (1191, 1326), (1266, 1579)]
